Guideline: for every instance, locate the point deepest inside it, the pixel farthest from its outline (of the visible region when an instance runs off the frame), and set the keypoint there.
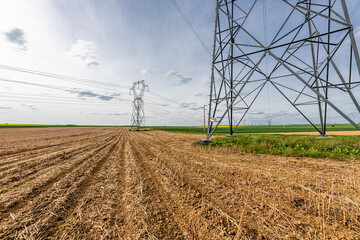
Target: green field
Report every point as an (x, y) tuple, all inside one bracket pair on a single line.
[(258, 129), (338, 148)]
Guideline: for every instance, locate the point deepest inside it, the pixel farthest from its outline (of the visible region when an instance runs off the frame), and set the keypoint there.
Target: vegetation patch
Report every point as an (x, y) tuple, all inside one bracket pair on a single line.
[(338, 148), (257, 129)]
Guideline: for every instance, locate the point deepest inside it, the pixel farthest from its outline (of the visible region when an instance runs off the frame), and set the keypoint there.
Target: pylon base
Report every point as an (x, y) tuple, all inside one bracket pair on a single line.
[(230, 135), (321, 137)]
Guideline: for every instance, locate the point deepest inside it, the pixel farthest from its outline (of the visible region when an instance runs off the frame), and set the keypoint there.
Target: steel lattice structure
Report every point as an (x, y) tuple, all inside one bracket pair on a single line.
[(138, 115), (302, 60)]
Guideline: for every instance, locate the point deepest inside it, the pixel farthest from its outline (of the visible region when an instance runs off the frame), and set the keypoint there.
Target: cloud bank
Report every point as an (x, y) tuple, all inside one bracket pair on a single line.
[(145, 71), (17, 37), (87, 93), (84, 53), (180, 79), (192, 106)]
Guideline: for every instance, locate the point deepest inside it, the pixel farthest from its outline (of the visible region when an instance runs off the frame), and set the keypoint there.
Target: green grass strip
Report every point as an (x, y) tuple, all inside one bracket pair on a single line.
[(337, 148), (257, 129)]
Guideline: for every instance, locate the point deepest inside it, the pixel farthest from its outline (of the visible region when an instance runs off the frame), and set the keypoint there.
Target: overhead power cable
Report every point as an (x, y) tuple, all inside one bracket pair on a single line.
[(59, 102), (190, 25), (51, 87), (165, 98), (63, 77), (67, 78), (54, 98), (67, 89), (170, 111), (73, 79), (355, 9), (71, 90), (35, 84), (63, 100)]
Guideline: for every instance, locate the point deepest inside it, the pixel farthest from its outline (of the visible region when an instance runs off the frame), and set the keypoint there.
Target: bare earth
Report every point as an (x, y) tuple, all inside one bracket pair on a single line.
[(109, 183)]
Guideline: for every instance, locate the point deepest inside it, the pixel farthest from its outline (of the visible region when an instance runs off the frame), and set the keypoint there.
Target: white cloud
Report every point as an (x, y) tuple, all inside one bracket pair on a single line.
[(84, 53), (258, 112), (202, 95), (118, 114), (191, 105), (180, 79), (357, 32), (17, 37), (356, 35), (145, 71), (31, 107), (91, 94)]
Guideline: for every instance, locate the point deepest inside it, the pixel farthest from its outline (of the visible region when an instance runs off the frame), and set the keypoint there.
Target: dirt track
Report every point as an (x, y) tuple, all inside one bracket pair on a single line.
[(109, 183)]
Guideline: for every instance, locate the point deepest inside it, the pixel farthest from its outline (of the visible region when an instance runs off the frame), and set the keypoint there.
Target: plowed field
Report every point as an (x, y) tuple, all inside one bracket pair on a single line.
[(109, 183)]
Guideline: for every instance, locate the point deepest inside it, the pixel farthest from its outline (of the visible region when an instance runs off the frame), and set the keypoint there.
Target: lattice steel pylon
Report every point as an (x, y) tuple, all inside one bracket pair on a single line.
[(138, 115), (311, 59)]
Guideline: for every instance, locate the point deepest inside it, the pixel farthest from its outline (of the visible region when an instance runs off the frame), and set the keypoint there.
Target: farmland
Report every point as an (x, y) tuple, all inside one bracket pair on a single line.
[(110, 183), (223, 130), (42, 125)]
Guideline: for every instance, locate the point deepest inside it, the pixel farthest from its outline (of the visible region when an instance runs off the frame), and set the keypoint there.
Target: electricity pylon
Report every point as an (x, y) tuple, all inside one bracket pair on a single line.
[(138, 116), (308, 55)]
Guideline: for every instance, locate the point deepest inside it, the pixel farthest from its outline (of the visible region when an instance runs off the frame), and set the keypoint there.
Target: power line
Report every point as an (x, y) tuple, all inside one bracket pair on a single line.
[(82, 81), (71, 90), (190, 25), (37, 99), (52, 87), (69, 79), (59, 102), (62, 77), (63, 62), (355, 9), (165, 98), (52, 98), (351, 15), (169, 111), (35, 84), (67, 90), (72, 79), (62, 89)]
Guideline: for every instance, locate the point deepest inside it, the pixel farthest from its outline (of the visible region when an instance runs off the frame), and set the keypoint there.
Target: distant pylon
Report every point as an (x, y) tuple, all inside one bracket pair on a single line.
[(138, 116), (308, 55)]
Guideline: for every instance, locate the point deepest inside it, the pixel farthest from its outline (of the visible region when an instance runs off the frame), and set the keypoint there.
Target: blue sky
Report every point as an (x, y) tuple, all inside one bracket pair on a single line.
[(111, 42)]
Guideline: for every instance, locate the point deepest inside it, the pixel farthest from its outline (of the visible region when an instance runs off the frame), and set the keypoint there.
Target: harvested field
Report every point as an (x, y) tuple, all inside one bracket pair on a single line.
[(109, 183)]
